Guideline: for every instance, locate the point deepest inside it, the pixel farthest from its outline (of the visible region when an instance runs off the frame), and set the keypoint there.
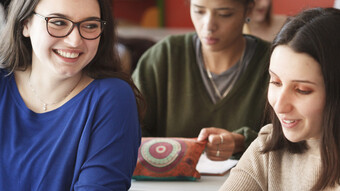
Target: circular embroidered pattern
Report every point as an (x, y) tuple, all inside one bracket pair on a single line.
[(161, 155)]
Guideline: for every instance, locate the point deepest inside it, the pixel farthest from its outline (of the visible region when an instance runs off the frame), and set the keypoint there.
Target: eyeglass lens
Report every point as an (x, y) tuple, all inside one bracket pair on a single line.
[(60, 27)]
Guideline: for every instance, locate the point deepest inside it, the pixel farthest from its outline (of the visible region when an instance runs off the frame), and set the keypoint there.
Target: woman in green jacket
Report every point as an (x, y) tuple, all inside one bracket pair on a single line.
[(210, 83)]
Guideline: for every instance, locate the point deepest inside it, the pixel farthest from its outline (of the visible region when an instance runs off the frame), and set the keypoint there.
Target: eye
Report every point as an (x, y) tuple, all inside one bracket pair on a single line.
[(91, 25), (58, 22), (225, 14), (198, 11), (304, 92), (275, 83)]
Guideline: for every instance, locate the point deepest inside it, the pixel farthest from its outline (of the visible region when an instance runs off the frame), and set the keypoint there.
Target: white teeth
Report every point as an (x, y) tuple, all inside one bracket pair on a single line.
[(68, 54), (288, 121)]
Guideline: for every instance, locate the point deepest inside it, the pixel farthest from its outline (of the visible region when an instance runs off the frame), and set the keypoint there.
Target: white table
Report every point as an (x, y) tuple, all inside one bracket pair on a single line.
[(206, 183)]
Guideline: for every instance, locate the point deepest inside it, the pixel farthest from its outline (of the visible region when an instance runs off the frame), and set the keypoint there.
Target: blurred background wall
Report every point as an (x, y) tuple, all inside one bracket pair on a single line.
[(175, 13)]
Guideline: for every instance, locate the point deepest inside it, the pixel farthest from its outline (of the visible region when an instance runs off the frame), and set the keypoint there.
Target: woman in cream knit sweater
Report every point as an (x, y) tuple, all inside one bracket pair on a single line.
[(300, 150)]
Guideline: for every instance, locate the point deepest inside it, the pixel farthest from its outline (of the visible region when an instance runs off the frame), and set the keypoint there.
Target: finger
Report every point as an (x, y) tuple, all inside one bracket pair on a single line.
[(218, 155), (203, 135), (213, 130), (229, 147), (205, 132), (214, 139), (211, 146)]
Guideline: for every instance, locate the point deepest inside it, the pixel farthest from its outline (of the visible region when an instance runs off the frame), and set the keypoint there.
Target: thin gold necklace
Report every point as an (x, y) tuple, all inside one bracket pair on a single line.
[(53, 103), (217, 91)]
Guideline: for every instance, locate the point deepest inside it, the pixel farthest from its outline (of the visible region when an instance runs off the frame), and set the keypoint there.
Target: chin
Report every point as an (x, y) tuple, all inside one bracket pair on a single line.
[(292, 138)]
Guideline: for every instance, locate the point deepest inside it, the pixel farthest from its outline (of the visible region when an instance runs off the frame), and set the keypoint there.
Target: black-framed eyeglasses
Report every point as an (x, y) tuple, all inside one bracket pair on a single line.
[(61, 27)]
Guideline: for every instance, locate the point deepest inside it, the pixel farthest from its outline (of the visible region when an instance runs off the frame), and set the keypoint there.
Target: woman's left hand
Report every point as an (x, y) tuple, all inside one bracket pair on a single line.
[(221, 143)]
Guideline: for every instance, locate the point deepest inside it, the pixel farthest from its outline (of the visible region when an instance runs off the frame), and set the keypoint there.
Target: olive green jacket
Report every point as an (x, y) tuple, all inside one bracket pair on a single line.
[(178, 102)]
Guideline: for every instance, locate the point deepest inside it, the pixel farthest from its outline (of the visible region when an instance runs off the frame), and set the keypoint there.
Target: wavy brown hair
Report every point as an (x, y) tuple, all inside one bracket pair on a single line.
[(316, 33), (16, 50)]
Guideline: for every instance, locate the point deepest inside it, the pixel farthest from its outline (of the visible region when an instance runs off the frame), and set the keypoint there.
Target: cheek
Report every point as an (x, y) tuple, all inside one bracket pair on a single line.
[(267, 3), (236, 25), (40, 38), (314, 109), (195, 22), (42, 43), (271, 96), (93, 47), (259, 17)]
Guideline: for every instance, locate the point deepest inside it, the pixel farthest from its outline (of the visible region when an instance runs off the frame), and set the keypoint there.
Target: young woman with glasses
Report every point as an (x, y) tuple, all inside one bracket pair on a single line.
[(69, 118)]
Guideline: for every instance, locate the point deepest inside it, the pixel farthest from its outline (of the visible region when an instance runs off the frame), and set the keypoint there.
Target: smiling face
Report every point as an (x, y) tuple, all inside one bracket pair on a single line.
[(218, 23), (61, 56), (296, 93)]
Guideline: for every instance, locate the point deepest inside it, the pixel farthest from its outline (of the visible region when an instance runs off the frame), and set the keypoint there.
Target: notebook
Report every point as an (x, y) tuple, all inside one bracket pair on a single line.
[(206, 166)]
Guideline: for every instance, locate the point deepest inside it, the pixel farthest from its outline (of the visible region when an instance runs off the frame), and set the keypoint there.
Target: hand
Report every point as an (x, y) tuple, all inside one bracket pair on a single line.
[(221, 143)]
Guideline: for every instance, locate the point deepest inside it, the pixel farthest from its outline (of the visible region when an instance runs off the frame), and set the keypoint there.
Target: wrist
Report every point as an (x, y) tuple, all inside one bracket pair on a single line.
[(239, 142)]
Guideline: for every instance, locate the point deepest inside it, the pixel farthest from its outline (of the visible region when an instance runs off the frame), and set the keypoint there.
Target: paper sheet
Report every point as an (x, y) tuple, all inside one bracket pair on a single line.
[(206, 166)]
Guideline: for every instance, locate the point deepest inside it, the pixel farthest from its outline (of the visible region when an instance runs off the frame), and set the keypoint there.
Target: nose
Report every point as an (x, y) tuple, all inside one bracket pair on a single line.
[(209, 23), (284, 102), (74, 39)]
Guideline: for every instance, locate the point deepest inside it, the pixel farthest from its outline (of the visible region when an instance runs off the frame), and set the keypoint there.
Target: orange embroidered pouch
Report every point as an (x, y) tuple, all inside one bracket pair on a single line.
[(168, 159)]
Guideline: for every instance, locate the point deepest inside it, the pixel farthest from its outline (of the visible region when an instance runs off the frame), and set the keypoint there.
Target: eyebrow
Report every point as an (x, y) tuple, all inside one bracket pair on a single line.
[(218, 9), (298, 81), (65, 16)]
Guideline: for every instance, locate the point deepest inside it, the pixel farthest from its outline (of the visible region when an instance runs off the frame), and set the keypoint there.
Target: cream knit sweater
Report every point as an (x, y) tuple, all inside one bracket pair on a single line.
[(277, 170)]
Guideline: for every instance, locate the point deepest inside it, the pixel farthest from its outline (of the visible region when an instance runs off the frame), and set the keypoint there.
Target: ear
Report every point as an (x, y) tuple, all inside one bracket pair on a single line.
[(25, 29)]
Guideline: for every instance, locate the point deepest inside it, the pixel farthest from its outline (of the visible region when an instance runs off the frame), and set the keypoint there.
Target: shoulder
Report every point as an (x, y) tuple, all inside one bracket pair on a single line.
[(169, 52), (3, 74), (256, 147), (113, 87), (174, 42), (265, 134), (260, 54), (260, 44), (251, 172), (278, 21), (182, 38), (263, 137), (110, 97)]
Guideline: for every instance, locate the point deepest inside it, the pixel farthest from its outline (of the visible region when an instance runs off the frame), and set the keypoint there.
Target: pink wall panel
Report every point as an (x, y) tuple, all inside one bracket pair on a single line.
[(177, 11)]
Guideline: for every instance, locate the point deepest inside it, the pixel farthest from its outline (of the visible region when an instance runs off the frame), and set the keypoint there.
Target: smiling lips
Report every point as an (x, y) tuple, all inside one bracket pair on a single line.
[(67, 54), (289, 123)]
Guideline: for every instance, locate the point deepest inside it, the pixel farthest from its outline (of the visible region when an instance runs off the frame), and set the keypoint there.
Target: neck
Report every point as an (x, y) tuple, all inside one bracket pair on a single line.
[(50, 93), (257, 25), (220, 61)]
